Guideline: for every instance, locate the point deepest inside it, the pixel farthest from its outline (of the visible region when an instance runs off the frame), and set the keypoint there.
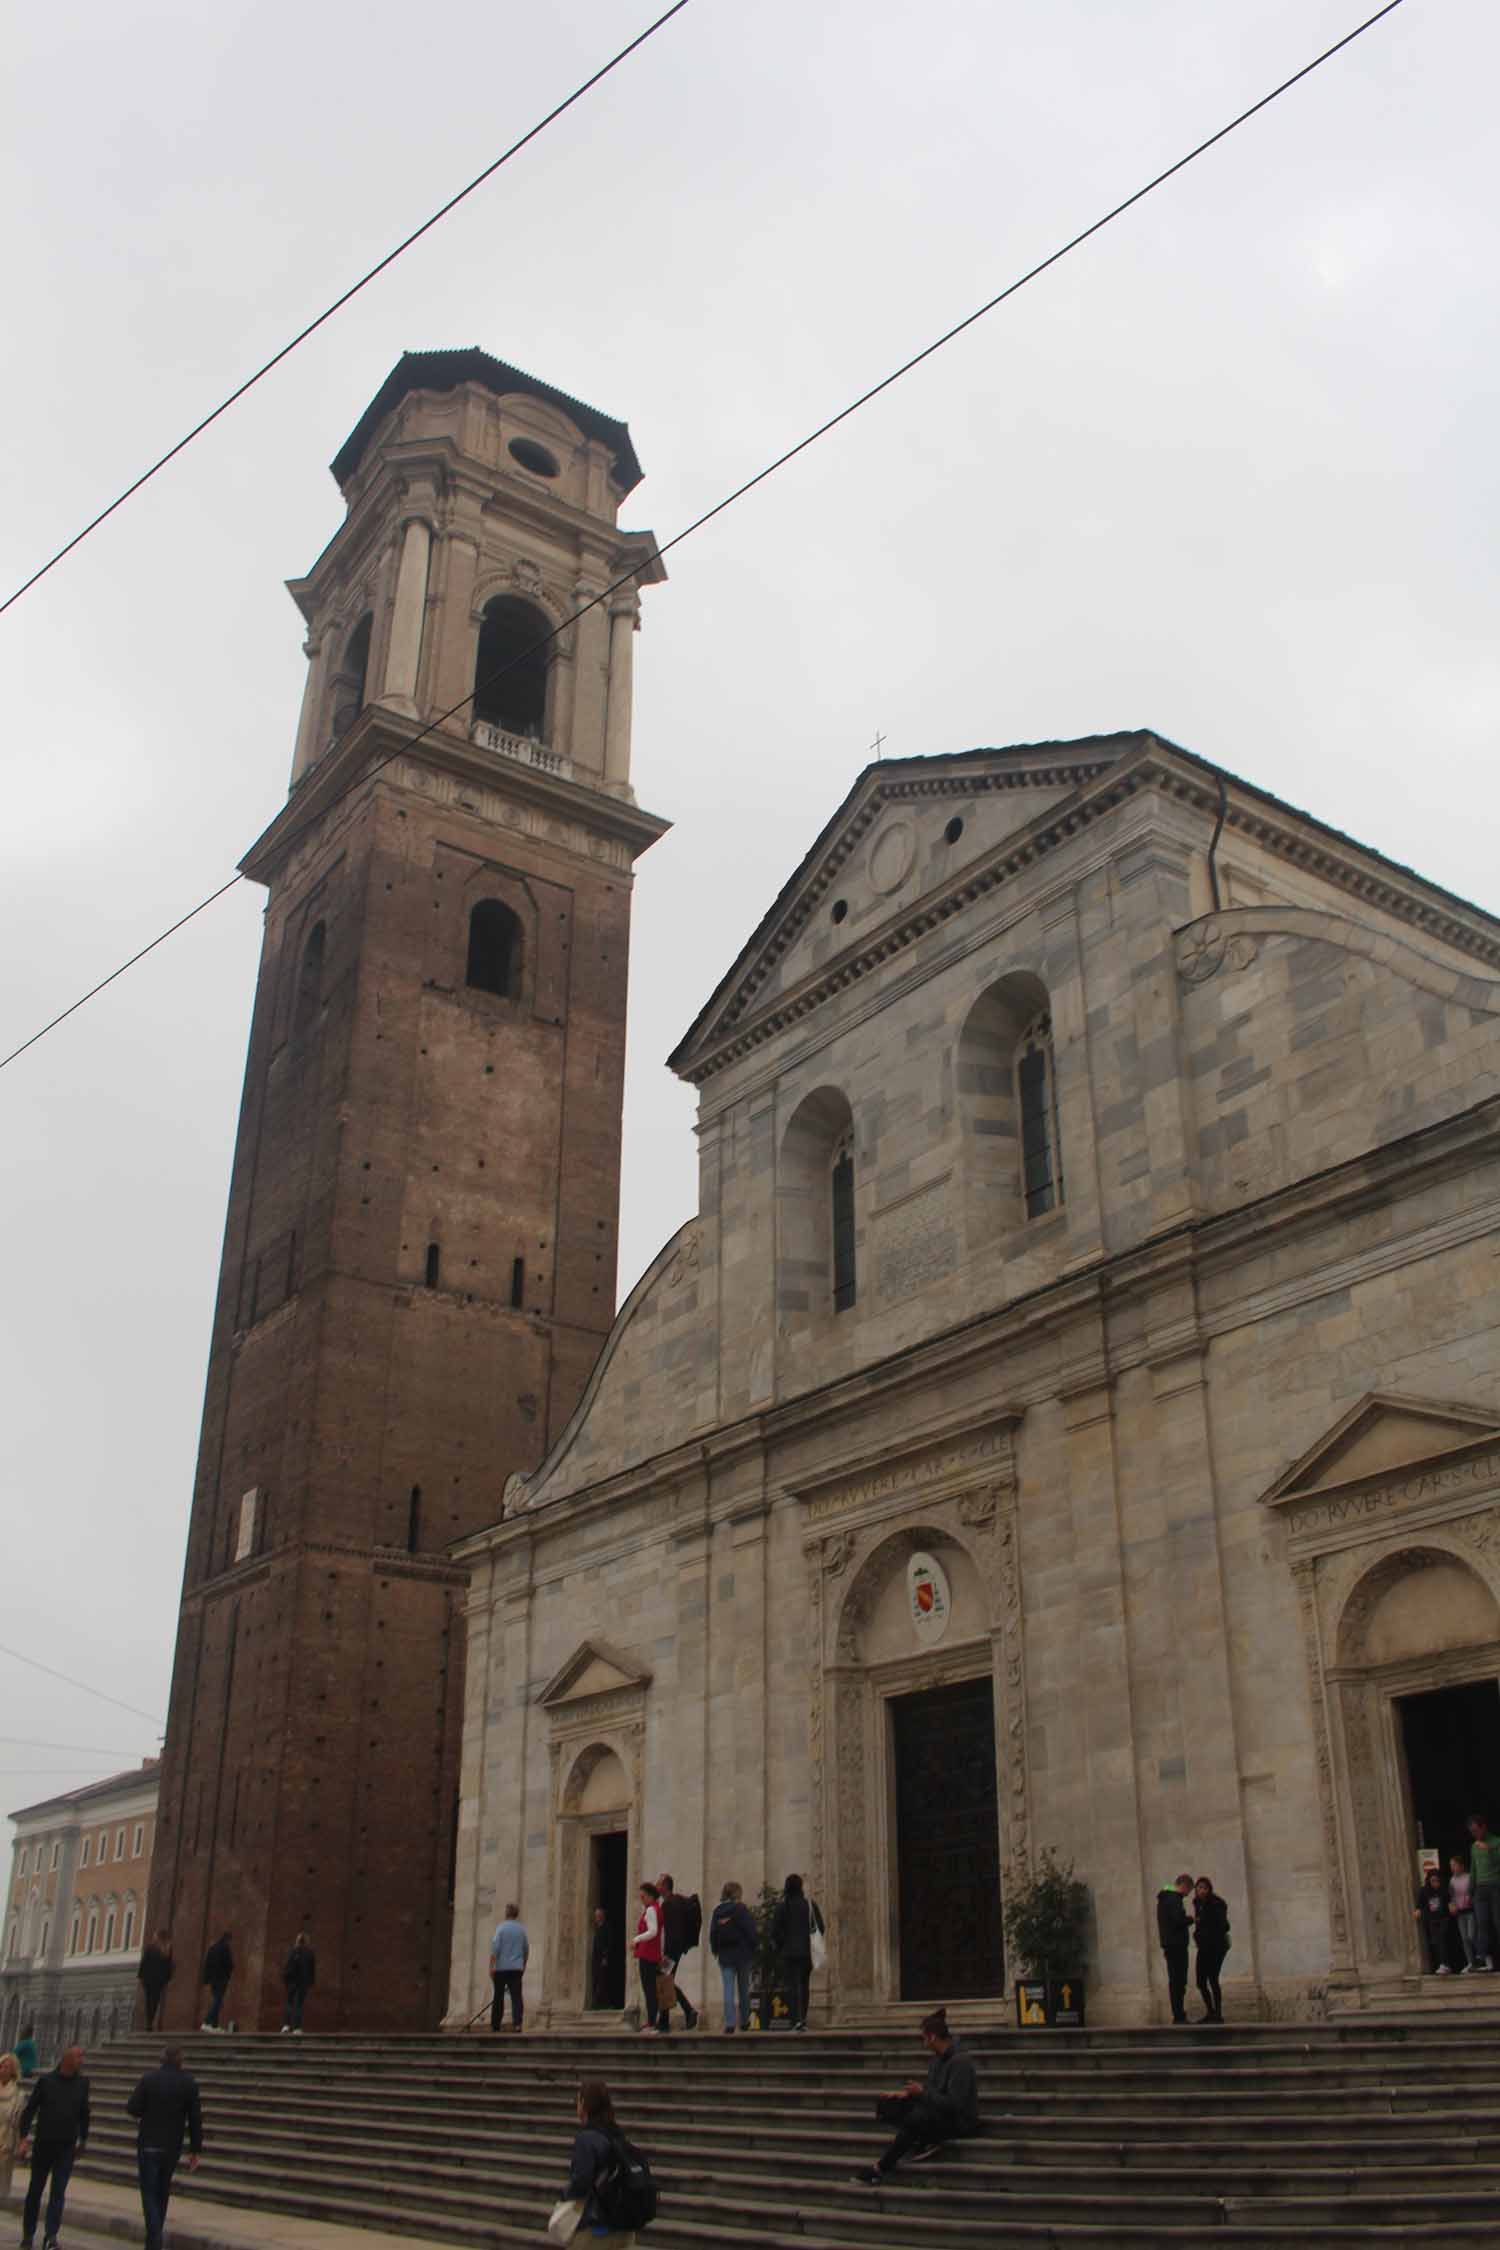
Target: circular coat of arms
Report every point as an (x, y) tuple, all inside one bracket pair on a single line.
[(928, 1596)]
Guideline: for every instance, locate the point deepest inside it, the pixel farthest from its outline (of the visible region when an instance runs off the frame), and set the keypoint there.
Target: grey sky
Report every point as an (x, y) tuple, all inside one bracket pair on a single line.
[(1229, 472)]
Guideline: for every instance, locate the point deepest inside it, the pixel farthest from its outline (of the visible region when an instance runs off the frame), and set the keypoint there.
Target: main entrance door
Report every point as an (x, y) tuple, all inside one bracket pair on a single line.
[(607, 1889), (948, 1843), (1452, 1741)]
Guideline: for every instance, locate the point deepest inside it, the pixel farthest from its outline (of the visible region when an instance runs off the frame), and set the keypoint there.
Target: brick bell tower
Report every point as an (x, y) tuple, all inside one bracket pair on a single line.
[(419, 1255)]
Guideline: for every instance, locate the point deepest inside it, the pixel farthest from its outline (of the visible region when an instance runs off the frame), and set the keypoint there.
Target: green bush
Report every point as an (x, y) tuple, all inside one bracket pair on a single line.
[(1046, 1920)]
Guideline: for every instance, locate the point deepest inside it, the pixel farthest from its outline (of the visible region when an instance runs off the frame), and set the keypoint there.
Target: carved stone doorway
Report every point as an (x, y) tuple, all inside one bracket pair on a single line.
[(1451, 1741), (947, 1842)]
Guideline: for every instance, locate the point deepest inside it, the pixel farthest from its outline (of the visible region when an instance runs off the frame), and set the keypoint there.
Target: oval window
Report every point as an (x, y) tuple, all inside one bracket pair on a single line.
[(534, 457)]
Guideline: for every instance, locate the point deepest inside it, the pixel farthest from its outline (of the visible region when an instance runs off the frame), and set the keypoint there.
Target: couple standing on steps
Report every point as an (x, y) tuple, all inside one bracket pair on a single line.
[(1207, 1927)]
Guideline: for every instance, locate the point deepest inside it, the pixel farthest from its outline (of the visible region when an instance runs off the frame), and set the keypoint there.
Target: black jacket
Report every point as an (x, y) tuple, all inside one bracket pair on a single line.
[(792, 1927), (301, 1969), (218, 1963), (732, 1935), (157, 1969), (1172, 1924), (593, 2153), (166, 2105), (1211, 1926), (953, 2088), (675, 1922), (60, 2108)]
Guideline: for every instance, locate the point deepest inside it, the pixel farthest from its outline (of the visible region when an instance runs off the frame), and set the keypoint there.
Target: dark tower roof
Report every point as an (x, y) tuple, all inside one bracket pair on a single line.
[(444, 371)]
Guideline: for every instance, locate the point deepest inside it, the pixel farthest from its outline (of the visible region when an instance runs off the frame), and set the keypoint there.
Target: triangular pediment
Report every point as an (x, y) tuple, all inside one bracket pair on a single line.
[(1384, 1434), (885, 867), (594, 1668)]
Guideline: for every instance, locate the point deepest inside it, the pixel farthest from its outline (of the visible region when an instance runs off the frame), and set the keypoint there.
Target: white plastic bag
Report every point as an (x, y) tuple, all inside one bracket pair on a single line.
[(565, 2221)]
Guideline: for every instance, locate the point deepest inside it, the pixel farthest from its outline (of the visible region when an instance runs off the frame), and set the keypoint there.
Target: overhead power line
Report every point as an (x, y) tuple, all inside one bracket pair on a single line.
[(83, 1749), (761, 476), (52, 1673), (339, 303)]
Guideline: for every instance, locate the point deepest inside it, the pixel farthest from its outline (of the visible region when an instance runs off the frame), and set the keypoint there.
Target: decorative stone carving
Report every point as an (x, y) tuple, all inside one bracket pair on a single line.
[(1015, 1839), (1204, 949), (686, 1262), (838, 1550), (1304, 1576), (1364, 1796), (977, 1508), (525, 576)]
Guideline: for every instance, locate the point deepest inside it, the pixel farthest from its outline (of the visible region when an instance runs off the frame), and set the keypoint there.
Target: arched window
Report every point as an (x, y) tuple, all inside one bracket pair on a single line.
[(128, 1930), (1007, 1093), (432, 1268), (510, 673), (42, 1942), (91, 1938), (73, 1930), (310, 978), (110, 1912), (13, 1938), (494, 963), (816, 1211), (349, 680), (1036, 1099)]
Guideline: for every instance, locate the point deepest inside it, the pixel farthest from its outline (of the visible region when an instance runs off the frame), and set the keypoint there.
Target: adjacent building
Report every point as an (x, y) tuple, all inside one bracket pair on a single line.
[(1071, 1420), (75, 1910), (419, 1255)]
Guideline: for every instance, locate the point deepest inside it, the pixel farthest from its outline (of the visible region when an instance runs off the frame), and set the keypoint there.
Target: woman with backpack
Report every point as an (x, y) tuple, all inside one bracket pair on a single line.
[(607, 2176), (797, 1932), (732, 1940)]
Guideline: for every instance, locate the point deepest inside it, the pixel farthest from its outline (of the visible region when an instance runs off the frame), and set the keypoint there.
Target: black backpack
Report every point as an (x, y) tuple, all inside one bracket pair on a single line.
[(692, 1922), (626, 2192)]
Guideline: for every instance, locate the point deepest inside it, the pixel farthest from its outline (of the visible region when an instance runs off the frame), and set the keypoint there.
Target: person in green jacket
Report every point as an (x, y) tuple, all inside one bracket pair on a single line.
[(1484, 1874)]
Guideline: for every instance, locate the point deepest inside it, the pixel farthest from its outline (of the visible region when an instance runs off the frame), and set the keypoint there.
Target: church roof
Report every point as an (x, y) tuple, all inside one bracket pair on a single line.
[(445, 370), (1088, 777)]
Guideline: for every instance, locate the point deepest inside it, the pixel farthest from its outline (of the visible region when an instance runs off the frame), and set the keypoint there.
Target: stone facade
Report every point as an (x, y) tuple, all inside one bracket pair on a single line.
[(1205, 1450), (75, 1919), (419, 1253)]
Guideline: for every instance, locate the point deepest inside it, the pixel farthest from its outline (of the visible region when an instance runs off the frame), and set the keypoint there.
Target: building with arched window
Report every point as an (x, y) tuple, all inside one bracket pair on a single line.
[(73, 1934), (1070, 1421)]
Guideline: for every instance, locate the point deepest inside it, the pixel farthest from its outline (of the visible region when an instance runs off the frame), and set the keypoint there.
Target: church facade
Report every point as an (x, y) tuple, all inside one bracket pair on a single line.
[(1070, 1422)]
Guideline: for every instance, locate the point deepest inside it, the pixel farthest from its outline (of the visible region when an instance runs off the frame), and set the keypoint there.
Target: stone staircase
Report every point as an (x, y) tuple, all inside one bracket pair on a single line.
[(1362, 2132)]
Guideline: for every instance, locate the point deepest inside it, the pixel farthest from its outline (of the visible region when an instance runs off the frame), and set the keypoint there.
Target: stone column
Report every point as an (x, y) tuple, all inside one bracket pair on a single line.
[(309, 743), (472, 1810), (455, 636), (408, 612), (590, 670), (623, 611)]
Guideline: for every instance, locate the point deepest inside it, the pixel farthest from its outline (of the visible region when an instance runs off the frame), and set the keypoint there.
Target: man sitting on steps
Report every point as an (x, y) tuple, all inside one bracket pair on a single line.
[(946, 2108)]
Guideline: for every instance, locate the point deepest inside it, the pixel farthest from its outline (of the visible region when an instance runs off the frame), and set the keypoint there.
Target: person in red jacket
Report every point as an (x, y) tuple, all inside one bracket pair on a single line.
[(647, 1950)]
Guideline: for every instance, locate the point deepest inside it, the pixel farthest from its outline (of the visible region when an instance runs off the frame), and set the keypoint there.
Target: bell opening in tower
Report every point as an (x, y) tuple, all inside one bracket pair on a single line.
[(510, 676)]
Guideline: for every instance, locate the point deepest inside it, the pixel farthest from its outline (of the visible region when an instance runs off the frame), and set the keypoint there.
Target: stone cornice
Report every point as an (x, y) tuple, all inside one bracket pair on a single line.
[(724, 1035), (382, 739)]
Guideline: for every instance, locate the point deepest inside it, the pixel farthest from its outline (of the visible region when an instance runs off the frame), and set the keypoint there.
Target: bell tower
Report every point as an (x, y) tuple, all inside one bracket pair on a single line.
[(419, 1255)]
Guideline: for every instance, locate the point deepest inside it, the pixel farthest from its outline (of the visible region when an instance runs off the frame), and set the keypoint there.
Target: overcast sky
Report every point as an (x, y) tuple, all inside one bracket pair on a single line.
[(1229, 472)]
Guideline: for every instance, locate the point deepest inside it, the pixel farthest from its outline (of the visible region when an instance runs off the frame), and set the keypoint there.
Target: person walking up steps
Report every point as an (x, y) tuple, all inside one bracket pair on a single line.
[(1461, 1907), (167, 2109), (54, 2134), (732, 1939), (647, 1951), (218, 1968), (610, 2178), (1211, 1943), (944, 2108), (155, 1974), (792, 1927), (1174, 1933), (681, 1926), (510, 1950), (299, 1974)]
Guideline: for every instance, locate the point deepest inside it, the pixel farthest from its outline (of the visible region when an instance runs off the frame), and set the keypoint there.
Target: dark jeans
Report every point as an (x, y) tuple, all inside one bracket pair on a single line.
[(648, 1989), (1176, 1958), (216, 2002), (155, 1994), (1210, 1963), (155, 2167), (922, 2124), (59, 2163), (507, 1980), (799, 1988), (1487, 1921), (296, 2001), (1435, 1932)]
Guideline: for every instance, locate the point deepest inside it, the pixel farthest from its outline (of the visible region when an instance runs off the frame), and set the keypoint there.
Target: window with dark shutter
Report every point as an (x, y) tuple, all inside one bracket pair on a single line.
[(1041, 1166)]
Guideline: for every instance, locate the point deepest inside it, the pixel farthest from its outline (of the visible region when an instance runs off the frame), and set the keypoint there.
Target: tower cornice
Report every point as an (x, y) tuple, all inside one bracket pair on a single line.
[(382, 743)]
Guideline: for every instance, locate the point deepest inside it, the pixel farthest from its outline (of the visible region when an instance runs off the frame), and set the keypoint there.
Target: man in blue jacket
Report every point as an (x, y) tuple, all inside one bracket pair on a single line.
[(510, 1950), (167, 2108)]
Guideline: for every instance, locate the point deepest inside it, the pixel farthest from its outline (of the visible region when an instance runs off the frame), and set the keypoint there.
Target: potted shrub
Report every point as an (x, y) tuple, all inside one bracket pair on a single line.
[(1046, 1933), (770, 2001)]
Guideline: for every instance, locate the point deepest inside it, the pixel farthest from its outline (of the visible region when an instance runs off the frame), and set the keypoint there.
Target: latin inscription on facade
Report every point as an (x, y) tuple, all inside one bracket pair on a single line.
[(1401, 1491), (903, 1476)]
